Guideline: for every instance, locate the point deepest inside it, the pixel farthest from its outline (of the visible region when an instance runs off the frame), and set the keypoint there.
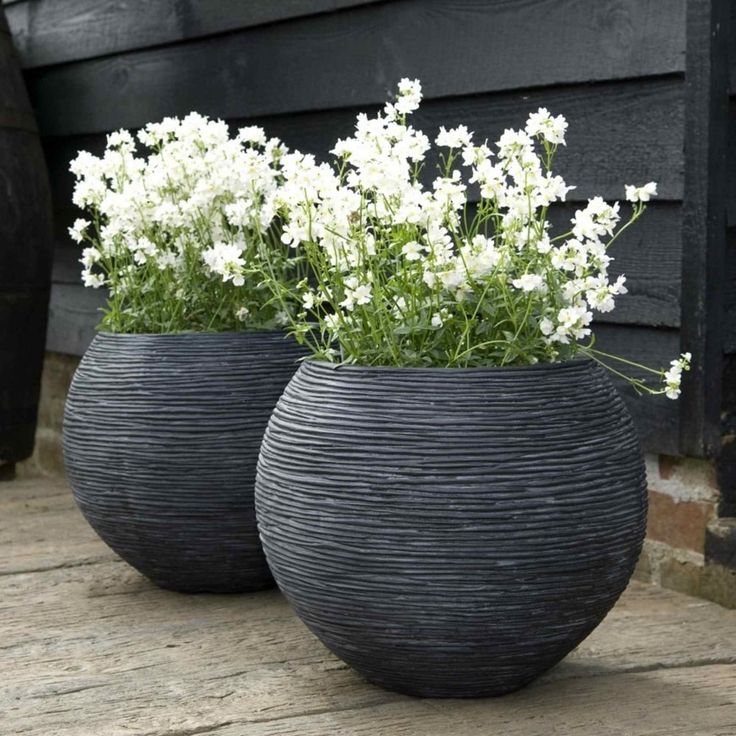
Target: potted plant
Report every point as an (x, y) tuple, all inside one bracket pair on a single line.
[(166, 411), (450, 492)]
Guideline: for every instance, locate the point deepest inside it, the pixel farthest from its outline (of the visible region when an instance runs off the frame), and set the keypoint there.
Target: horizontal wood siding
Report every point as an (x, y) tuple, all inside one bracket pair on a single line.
[(303, 69), (355, 57), (56, 31)]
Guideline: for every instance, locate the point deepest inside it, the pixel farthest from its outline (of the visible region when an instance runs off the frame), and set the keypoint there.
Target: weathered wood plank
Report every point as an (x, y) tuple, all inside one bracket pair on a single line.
[(618, 139), (41, 529), (657, 418), (101, 641), (731, 159), (704, 223), (74, 312), (58, 31), (15, 109), (355, 57), (732, 51), (689, 702)]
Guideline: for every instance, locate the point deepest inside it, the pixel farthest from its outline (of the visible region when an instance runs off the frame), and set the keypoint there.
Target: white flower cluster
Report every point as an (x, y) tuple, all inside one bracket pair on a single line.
[(404, 269), (209, 231), (673, 376), (168, 231)]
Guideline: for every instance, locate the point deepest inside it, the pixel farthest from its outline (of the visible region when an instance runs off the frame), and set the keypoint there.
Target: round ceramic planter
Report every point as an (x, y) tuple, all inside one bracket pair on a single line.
[(451, 533), (161, 439)]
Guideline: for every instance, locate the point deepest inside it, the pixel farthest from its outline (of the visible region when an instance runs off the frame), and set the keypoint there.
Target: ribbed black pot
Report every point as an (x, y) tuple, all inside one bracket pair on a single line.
[(161, 439), (451, 533)]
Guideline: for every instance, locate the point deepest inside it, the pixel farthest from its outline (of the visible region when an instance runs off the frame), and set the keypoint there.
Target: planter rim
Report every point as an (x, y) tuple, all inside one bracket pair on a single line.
[(378, 369), (209, 335)]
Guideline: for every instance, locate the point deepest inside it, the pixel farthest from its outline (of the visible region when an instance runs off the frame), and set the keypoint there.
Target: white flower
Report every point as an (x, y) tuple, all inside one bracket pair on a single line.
[(476, 155), (410, 95), (77, 230), (480, 256), (491, 177), (355, 293), (641, 194), (252, 134), (450, 191), (242, 314), (225, 259), (552, 129), (439, 318), (546, 326), (362, 295), (121, 139), (597, 219), (572, 323), (544, 244), (166, 259), (332, 322), (308, 299), (514, 143), (529, 282), (458, 137), (90, 256), (673, 376), (412, 251), (143, 249), (94, 280)]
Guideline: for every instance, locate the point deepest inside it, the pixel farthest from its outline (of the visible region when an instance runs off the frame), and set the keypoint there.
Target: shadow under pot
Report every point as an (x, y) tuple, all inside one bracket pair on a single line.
[(161, 439), (451, 532)]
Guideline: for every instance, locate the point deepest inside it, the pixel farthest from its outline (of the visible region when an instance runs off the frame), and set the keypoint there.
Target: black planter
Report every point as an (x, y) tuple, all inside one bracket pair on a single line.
[(161, 438), (451, 533)]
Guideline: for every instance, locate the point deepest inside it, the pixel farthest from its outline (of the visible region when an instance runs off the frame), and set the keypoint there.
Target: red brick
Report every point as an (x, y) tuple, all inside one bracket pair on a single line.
[(680, 524)]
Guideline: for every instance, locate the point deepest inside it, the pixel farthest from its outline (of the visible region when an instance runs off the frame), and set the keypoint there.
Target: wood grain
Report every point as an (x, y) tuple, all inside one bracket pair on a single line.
[(40, 530), (57, 31), (95, 649), (657, 418), (355, 57), (704, 223), (74, 313)]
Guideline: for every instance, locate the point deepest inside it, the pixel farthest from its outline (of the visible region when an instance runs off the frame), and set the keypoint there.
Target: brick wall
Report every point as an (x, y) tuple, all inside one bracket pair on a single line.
[(683, 516)]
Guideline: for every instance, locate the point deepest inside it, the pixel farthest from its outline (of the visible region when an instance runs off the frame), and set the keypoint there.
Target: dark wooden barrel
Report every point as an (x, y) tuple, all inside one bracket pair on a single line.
[(25, 258)]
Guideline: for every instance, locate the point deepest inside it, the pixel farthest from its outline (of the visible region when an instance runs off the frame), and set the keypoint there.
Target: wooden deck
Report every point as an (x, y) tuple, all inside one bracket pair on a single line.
[(89, 647)]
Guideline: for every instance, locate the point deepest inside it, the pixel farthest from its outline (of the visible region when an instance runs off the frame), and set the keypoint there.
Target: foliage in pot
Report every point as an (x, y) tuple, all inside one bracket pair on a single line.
[(452, 494), (166, 412)]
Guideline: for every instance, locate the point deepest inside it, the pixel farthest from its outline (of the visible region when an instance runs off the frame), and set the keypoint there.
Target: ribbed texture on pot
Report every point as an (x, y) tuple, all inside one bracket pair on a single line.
[(161, 439), (451, 533)]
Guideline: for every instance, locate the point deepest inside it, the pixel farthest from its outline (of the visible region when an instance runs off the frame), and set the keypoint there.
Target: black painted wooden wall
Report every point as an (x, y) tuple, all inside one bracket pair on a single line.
[(644, 84)]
